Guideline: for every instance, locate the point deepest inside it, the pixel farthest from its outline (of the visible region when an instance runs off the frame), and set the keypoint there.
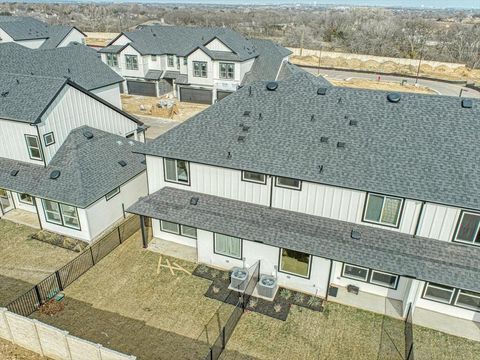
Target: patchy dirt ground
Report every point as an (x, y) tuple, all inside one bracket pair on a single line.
[(10, 351), (24, 262), (381, 85), (99, 38)]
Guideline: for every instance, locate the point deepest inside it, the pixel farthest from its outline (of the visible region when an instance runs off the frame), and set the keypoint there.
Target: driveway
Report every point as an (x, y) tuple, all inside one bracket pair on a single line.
[(442, 88)]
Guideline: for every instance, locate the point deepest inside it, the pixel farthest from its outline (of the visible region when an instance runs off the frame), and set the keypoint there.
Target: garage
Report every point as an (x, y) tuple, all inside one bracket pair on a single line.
[(141, 88), (222, 94), (199, 96)]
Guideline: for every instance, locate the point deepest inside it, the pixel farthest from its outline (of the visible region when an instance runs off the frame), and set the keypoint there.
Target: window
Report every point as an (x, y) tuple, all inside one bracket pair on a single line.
[(227, 70), (200, 69), (154, 57), (61, 214), (295, 262), (112, 193), (170, 60), (228, 246), (170, 227), (288, 183), (468, 299), (25, 198), (131, 62), (469, 228), (112, 60), (178, 63), (371, 276), (177, 171), (33, 146), (384, 210), (49, 139), (254, 177), (438, 293), (188, 231), (185, 61)]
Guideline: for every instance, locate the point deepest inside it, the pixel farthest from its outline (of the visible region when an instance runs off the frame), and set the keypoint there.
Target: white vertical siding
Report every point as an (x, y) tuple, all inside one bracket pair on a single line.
[(32, 44), (12, 140), (73, 108), (438, 222), (217, 45), (73, 36), (110, 93), (199, 55)]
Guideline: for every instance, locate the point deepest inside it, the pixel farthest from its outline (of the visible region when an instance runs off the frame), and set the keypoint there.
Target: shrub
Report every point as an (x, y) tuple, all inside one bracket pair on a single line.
[(225, 276), (216, 289), (286, 294), (252, 303), (313, 301), (214, 273), (277, 308), (202, 269), (299, 298)]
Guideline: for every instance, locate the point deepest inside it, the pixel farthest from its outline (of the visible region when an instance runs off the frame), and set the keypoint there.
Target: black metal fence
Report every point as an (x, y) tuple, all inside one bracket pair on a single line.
[(46, 289), (225, 332), (409, 334)]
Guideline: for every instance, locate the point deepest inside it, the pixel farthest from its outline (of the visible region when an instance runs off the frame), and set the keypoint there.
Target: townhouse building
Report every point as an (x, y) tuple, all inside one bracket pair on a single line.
[(66, 155), (36, 34), (362, 197), (195, 64), (77, 62)]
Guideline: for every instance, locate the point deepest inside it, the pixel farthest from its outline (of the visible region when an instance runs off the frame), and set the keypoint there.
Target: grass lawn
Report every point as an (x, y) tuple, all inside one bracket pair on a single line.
[(23, 262), (124, 304)]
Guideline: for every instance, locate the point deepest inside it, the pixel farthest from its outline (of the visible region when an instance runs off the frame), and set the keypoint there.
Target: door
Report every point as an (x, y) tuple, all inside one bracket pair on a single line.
[(141, 88), (6, 202), (199, 96)]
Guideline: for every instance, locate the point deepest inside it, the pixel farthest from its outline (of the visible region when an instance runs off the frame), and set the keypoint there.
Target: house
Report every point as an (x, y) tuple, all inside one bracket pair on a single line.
[(66, 155), (362, 197), (35, 34), (195, 64), (76, 62)]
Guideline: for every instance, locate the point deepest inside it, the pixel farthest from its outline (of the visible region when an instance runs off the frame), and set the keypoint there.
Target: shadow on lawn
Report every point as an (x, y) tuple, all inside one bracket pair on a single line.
[(11, 288), (127, 335)]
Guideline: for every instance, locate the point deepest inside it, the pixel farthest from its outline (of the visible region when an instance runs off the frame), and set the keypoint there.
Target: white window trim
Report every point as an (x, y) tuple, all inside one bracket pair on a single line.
[(371, 281), (29, 147), (264, 182), (62, 215), (400, 209), (134, 64), (299, 187), (459, 292), (425, 296), (459, 226), (170, 231), (226, 71), (215, 251), (201, 73), (112, 194), (176, 181), (353, 277), (23, 201), (45, 139)]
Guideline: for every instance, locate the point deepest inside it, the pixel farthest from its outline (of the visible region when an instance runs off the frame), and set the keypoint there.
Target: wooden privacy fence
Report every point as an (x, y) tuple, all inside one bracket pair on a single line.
[(46, 289), (49, 341)]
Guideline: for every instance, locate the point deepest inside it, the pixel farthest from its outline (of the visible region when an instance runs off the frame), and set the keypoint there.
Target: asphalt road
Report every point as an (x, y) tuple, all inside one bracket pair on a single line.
[(440, 87)]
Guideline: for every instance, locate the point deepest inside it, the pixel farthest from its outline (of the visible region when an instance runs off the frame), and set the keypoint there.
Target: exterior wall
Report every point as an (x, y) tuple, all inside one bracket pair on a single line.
[(73, 36), (110, 94), (199, 55), (4, 37), (73, 108), (438, 222), (103, 214), (142, 63), (184, 240), (245, 67), (12, 141), (217, 45), (22, 205), (32, 44), (122, 40)]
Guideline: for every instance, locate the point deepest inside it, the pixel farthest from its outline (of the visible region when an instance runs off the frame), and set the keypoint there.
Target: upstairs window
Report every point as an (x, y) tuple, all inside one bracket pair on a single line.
[(185, 61), (227, 71), (33, 147), (112, 60), (49, 139), (254, 177), (131, 62), (383, 210), (177, 171), (170, 60), (288, 183), (200, 69), (178, 63), (468, 228)]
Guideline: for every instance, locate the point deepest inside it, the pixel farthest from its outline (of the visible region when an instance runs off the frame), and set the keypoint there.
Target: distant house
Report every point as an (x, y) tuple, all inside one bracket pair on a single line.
[(78, 63), (65, 154), (35, 34), (362, 197), (196, 64)]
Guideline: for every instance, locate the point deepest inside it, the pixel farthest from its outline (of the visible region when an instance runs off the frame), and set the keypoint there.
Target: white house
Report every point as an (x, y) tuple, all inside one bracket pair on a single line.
[(66, 155), (35, 34), (195, 64), (361, 197), (77, 62)]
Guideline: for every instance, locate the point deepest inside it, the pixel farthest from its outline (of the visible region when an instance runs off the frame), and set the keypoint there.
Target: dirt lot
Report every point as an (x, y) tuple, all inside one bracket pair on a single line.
[(99, 38), (9, 351), (381, 85), (23, 262), (124, 304)]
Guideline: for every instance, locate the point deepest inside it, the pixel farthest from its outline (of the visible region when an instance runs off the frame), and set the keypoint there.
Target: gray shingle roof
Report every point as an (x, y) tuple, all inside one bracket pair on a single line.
[(153, 74), (424, 147), (112, 49), (56, 33), (25, 98), (425, 259), (77, 62), (89, 169)]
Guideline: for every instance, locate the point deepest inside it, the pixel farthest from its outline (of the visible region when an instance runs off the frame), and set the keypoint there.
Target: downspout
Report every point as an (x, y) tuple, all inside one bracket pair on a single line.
[(271, 191), (419, 219), (144, 233), (329, 279), (38, 214)]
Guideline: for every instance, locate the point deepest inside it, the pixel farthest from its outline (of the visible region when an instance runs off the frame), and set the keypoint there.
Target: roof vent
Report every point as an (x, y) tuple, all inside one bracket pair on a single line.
[(467, 103), (355, 234), (245, 128), (88, 134), (4, 94), (55, 174), (320, 169), (353, 123), (194, 200), (340, 145), (246, 113), (312, 118), (272, 86), (122, 163), (394, 97), (260, 117), (324, 139), (13, 173), (322, 91), (241, 138), (229, 155), (249, 91)]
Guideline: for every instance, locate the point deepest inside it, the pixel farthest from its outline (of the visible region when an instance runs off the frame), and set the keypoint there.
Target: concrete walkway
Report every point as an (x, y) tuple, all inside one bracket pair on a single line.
[(173, 249), (23, 217)]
